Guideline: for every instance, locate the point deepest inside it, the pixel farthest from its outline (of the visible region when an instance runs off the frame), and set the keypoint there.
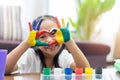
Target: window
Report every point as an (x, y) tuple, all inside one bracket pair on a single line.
[(10, 20)]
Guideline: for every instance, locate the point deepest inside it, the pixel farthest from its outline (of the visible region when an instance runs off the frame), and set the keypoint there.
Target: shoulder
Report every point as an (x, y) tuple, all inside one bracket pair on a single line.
[(29, 55), (65, 54), (65, 51), (65, 59), (32, 54), (30, 51), (29, 62)]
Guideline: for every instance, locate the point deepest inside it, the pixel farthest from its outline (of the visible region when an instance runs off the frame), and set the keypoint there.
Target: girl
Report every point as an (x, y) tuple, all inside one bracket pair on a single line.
[(46, 50)]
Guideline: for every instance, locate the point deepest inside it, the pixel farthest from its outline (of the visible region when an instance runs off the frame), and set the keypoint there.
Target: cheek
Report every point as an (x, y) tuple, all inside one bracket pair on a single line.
[(42, 48), (43, 40)]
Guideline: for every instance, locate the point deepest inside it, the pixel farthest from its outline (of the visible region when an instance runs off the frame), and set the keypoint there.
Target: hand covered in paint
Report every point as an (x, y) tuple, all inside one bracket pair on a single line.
[(32, 39), (63, 34)]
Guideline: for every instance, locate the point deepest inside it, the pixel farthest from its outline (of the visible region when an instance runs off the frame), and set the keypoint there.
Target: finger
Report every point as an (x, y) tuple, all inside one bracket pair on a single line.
[(63, 22), (67, 25), (57, 22), (30, 26), (34, 24), (39, 43), (59, 37), (53, 31), (52, 42), (38, 26), (41, 32)]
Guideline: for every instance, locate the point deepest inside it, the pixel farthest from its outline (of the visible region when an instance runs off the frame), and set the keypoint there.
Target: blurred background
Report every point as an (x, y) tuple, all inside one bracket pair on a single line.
[(94, 22)]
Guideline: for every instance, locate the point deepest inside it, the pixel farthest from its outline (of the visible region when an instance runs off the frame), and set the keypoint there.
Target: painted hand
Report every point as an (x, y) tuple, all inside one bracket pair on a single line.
[(63, 34), (32, 39)]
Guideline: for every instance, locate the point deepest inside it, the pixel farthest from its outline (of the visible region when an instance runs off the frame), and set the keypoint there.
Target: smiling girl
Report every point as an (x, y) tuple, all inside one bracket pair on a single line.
[(43, 48)]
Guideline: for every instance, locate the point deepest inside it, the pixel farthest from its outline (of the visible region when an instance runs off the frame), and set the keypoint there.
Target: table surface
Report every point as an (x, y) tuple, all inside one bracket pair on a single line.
[(111, 74), (26, 76)]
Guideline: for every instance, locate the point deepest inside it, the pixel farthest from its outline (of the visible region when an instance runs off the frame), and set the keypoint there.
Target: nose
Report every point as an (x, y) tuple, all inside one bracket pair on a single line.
[(49, 39)]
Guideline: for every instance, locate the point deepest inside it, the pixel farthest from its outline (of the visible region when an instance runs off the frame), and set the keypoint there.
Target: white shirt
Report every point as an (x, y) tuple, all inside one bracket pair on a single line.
[(30, 62)]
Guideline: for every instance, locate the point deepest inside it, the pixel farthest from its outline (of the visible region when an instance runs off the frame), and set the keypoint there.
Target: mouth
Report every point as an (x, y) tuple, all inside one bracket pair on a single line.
[(52, 47)]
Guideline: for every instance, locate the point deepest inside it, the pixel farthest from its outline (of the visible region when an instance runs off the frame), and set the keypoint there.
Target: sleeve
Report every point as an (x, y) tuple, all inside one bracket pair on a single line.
[(25, 61), (65, 59)]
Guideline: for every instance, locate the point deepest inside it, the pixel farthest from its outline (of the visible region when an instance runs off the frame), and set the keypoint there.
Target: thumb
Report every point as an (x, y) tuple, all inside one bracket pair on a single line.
[(59, 37)]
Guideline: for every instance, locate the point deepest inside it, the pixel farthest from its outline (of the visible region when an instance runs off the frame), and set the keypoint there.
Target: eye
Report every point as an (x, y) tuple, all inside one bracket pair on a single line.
[(53, 31), (53, 35), (43, 36)]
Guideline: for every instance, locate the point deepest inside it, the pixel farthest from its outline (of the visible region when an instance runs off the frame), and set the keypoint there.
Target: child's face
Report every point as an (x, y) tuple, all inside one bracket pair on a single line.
[(46, 37)]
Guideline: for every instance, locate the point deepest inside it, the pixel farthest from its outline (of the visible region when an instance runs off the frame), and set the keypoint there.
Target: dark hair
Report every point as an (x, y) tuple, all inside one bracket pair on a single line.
[(42, 58), (44, 17)]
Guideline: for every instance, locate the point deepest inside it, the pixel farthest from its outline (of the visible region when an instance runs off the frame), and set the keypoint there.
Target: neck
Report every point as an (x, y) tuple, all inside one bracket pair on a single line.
[(49, 63)]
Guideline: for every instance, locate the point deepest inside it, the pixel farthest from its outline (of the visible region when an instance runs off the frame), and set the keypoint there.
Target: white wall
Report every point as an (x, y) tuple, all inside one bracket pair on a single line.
[(30, 10)]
